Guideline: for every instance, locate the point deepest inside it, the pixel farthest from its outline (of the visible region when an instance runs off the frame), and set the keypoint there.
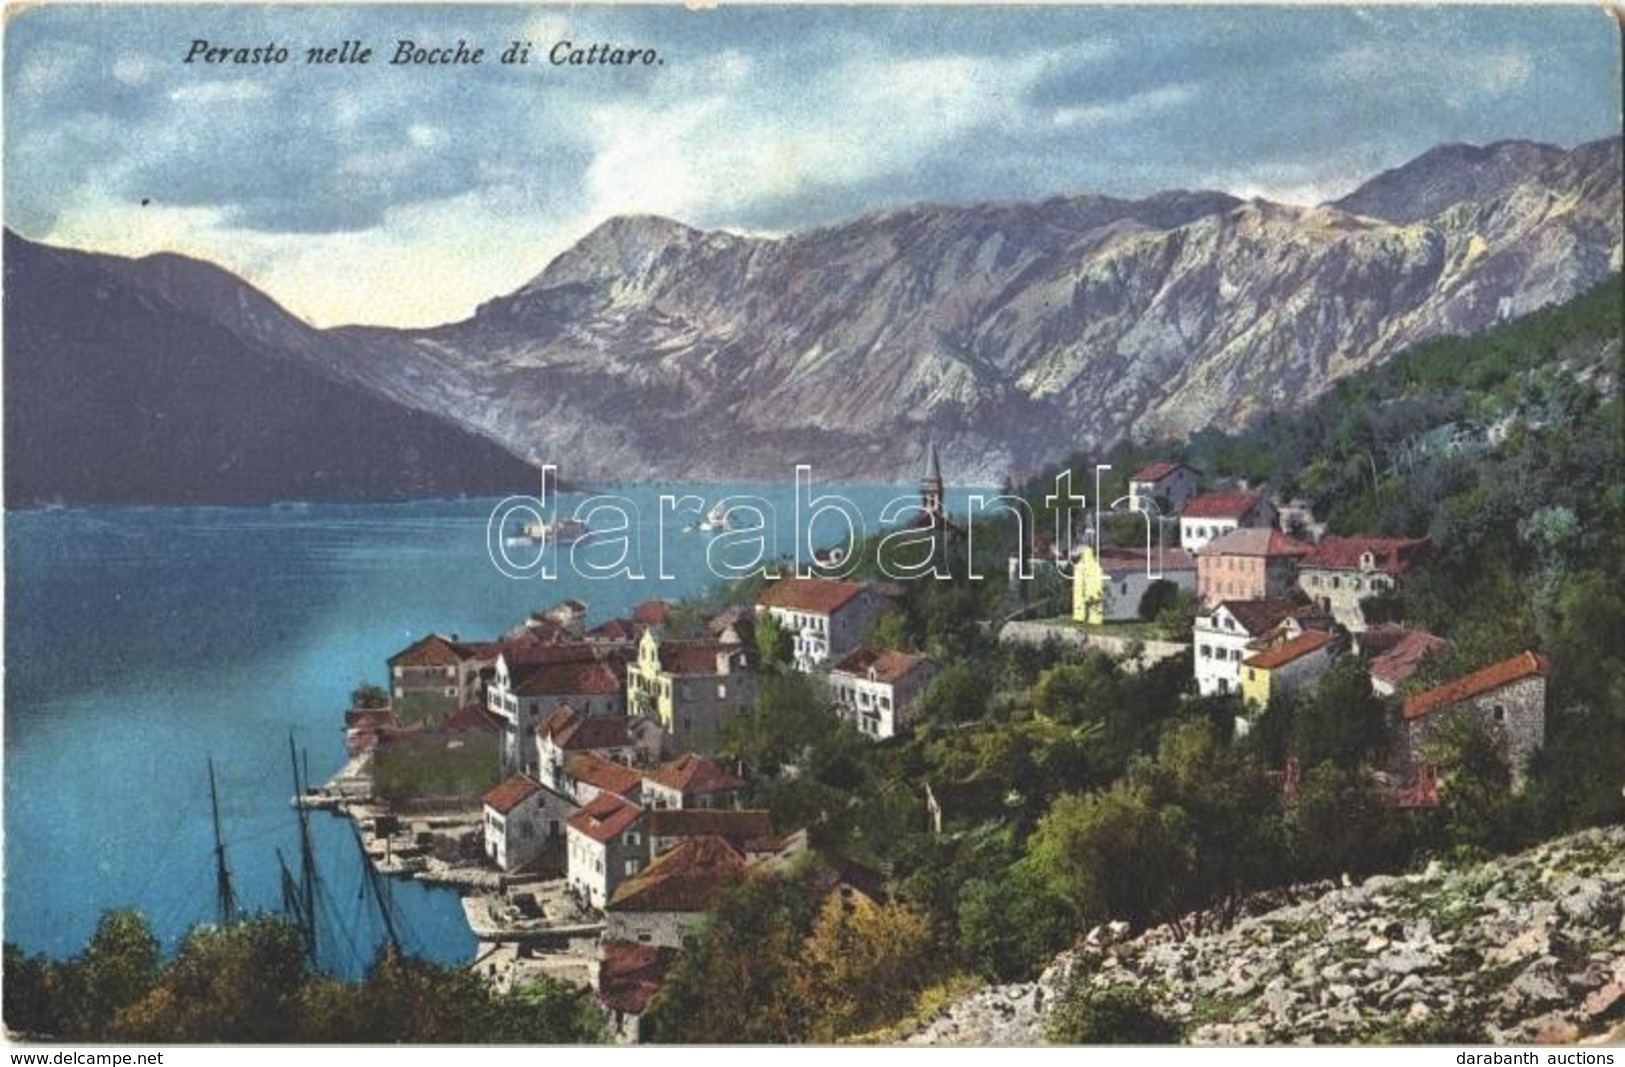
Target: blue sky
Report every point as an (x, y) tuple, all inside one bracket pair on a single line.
[(405, 196)]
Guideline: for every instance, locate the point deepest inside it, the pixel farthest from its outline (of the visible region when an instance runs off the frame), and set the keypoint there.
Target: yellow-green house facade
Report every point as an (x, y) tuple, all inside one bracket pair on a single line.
[(1108, 585)]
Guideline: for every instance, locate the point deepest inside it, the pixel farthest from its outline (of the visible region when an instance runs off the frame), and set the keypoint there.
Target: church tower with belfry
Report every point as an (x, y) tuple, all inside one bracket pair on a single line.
[(931, 487)]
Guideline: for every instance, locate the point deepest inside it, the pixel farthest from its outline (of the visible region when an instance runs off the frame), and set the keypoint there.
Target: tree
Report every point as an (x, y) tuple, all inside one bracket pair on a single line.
[(774, 644), (1011, 924), (959, 693), (1342, 720), (119, 965), (862, 966), (1113, 855)]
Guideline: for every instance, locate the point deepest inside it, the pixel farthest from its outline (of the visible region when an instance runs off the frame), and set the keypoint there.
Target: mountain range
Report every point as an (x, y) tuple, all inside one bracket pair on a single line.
[(1008, 333)]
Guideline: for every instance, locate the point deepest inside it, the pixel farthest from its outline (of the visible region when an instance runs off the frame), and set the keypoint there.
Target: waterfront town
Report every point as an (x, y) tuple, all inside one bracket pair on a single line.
[(617, 821)]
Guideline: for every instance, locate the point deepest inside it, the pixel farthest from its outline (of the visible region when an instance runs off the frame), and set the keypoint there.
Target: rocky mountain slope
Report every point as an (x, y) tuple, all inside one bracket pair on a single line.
[(1525, 948), (1008, 331), (116, 391)]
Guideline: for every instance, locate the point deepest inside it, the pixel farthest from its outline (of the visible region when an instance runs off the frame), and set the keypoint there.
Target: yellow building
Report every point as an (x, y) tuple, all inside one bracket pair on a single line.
[(1286, 667), (1108, 586), (689, 687)]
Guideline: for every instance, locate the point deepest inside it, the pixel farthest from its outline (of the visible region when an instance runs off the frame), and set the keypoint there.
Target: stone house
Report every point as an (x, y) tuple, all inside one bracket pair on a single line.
[(749, 831), (691, 781), (667, 899), (1290, 666), (1342, 572), (626, 978), (876, 691), (691, 688), (1506, 701), (828, 618), (565, 733), (1216, 514), (587, 774), (435, 675), (606, 845), (1109, 585), (524, 825), (1252, 563), (1166, 486)]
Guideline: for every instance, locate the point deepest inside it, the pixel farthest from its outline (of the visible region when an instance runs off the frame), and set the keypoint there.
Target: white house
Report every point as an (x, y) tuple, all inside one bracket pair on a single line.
[(606, 846), (524, 821), (1166, 485), (1222, 637), (691, 781), (1216, 514), (566, 733), (531, 682), (875, 691), (828, 618), (667, 899)]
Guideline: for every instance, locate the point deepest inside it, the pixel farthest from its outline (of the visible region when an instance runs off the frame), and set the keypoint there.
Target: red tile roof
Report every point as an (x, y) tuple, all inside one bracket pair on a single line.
[(548, 679), (1256, 616), (651, 613), (511, 793), (1485, 680), (615, 630), (1156, 471), (631, 974), (691, 657), (1405, 656), (607, 775), (605, 817), (888, 666), (1287, 651), (736, 826), (817, 596), (691, 877), (572, 731), (689, 773), (471, 718), (1393, 555), (1254, 541), (1221, 506), (429, 651)]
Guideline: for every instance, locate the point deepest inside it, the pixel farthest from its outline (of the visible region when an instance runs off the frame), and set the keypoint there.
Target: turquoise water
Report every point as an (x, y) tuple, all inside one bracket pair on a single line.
[(142, 642)]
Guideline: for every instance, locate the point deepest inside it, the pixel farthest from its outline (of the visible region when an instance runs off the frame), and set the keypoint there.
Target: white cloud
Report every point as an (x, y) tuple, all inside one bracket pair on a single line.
[(1125, 109), (219, 92)]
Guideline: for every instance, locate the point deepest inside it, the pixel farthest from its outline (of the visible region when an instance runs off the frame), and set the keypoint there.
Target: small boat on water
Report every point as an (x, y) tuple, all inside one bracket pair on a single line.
[(716, 521), (559, 532)]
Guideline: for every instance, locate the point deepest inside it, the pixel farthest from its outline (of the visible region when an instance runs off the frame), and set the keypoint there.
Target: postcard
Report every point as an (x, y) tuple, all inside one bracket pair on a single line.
[(794, 525)]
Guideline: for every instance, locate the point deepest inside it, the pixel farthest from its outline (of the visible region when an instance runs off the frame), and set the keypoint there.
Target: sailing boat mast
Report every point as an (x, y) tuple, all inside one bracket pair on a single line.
[(225, 897), (375, 883), (307, 858)]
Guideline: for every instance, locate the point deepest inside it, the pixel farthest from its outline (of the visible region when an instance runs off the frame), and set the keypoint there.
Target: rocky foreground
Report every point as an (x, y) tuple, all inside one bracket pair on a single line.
[(1521, 949)]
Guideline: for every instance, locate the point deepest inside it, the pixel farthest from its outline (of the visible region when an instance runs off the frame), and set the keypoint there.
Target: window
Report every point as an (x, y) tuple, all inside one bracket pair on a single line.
[(722, 690), (1500, 715), (1207, 651), (631, 868)]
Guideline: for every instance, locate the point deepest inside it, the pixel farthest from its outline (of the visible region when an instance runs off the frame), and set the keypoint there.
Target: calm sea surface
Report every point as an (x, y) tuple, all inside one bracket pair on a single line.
[(139, 643)]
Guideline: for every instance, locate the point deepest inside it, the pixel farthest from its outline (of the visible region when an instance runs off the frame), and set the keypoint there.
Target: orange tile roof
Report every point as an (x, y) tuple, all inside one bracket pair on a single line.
[(888, 666), (511, 793), (818, 596), (429, 651), (605, 817), (1523, 665), (1221, 506), (692, 877), (472, 717), (689, 773), (1287, 651), (607, 775)]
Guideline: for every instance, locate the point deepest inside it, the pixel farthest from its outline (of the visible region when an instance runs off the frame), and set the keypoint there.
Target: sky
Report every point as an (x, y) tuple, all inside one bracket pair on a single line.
[(406, 195)]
